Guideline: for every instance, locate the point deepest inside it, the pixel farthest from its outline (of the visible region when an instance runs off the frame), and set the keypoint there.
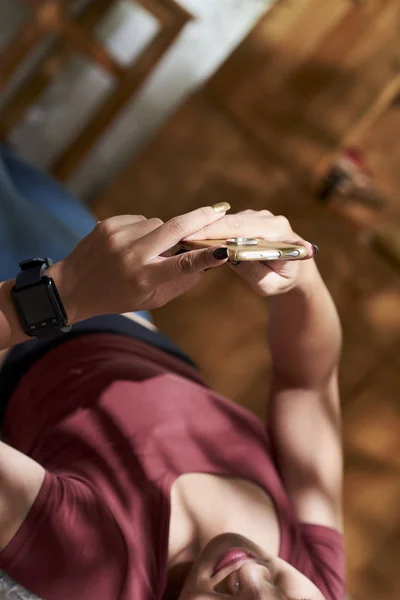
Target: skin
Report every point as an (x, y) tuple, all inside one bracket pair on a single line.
[(264, 577)]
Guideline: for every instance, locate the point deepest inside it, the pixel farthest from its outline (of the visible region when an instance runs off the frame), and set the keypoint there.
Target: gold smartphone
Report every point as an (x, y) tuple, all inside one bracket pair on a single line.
[(241, 249)]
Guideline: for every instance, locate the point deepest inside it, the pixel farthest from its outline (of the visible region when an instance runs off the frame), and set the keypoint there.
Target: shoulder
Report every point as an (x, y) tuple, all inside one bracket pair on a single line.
[(21, 480), (321, 557), (70, 532)]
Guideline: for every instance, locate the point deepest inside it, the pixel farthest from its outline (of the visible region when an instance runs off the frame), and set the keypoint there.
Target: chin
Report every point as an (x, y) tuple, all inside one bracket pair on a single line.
[(231, 560), (206, 562)]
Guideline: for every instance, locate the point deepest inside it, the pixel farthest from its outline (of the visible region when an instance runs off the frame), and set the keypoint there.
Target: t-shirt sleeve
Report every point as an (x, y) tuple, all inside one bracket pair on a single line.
[(69, 545), (323, 561)]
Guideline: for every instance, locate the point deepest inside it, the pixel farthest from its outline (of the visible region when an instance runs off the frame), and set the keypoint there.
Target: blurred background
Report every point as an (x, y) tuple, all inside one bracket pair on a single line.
[(156, 107)]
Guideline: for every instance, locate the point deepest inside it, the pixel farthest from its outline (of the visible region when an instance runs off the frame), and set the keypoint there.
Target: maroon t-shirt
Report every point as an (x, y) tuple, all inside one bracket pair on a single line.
[(115, 422)]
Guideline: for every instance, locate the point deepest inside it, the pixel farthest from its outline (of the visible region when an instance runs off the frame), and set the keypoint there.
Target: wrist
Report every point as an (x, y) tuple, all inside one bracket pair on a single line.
[(11, 331), (308, 277)]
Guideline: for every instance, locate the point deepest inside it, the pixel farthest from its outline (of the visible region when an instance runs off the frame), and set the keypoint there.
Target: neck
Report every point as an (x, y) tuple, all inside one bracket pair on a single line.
[(199, 514)]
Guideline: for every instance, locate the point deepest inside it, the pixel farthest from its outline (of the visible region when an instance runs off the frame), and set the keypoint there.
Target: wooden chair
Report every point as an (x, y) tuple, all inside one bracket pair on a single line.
[(74, 33)]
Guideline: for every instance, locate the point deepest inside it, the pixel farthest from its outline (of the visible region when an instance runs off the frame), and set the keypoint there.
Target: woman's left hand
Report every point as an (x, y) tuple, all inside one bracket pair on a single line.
[(266, 278), (124, 265)]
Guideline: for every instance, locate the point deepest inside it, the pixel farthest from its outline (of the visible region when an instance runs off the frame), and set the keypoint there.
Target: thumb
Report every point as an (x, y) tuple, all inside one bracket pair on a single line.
[(253, 271), (256, 274), (189, 263), (263, 278)]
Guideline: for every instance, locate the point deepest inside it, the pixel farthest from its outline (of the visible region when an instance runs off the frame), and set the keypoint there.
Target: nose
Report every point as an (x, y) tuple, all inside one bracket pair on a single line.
[(256, 582)]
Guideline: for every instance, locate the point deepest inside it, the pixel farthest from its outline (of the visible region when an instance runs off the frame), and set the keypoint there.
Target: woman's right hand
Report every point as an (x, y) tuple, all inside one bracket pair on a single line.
[(124, 265), (266, 278)]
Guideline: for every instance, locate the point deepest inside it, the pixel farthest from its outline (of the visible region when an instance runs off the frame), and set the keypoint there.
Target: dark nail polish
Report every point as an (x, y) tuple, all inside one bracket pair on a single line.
[(316, 249), (220, 253)]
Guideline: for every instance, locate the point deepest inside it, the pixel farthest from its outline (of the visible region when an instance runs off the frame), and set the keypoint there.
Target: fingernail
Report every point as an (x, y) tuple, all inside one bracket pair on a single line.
[(235, 263), (316, 249), (220, 253), (221, 207)]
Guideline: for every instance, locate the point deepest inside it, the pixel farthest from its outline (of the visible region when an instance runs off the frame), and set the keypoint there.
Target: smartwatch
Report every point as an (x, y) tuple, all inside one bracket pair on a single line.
[(37, 301)]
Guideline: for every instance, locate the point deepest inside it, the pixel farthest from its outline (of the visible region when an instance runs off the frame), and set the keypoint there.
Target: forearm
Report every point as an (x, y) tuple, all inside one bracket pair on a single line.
[(304, 332)]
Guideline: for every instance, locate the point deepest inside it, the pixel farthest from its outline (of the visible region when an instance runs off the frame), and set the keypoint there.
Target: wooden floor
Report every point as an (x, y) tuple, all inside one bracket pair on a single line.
[(201, 157)]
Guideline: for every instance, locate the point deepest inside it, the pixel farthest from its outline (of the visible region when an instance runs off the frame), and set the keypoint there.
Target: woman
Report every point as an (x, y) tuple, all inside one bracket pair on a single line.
[(124, 477)]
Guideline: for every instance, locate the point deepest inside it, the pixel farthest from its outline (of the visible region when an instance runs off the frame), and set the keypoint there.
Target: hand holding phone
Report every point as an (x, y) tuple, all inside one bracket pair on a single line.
[(242, 249), (262, 248)]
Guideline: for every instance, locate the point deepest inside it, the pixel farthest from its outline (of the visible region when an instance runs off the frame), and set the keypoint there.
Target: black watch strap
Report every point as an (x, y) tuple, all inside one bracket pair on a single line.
[(32, 271)]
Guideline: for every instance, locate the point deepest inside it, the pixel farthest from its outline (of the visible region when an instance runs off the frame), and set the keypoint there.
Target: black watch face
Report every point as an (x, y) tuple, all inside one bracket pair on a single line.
[(38, 306)]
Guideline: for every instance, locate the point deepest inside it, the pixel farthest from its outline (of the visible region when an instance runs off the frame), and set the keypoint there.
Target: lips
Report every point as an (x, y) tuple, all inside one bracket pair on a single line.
[(233, 556)]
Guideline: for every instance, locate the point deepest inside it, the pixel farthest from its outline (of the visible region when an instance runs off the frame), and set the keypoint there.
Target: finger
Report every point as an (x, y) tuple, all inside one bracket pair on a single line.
[(188, 263), (263, 279), (246, 225), (123, 236), (311, 248), (249, 211), (255, 273), (252, 271), (173, 231), (173, 289), (114, 223)]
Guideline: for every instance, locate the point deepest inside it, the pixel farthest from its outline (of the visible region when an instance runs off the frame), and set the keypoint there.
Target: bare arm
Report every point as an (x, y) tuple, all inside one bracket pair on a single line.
[(20, 481), (305, 341)]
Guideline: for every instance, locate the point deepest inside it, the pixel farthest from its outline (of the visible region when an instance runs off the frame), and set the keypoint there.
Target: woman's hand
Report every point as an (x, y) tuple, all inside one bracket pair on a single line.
[(124, 264), (267, 278)]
